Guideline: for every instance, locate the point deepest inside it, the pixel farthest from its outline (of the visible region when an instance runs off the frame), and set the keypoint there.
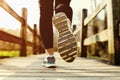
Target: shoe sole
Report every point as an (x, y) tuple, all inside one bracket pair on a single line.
[(67, 45), (49, 65)]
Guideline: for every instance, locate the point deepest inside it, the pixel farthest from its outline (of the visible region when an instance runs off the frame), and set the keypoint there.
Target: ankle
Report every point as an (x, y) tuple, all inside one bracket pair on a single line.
[(49, 55), (50, 51)]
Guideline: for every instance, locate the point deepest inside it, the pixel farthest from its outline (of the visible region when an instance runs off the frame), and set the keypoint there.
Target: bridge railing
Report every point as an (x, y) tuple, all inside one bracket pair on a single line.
[(22, 40), (111, 34)]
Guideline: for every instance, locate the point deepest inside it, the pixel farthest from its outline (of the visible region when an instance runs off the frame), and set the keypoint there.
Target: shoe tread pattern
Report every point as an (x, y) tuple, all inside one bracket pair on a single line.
[(67, 46)]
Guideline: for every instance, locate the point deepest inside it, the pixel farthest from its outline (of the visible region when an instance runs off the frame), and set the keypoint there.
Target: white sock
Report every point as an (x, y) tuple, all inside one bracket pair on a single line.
[(50, 55)]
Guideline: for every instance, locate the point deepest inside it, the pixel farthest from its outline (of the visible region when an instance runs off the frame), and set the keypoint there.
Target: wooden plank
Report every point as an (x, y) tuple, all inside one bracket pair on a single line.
[(29, 68), (110, 27), (100, 7), (110, 32), (100, 37), (30, 43), (113, 15), (10, 38), (60, 74), (29, 28), (5, 6), (60, 78)]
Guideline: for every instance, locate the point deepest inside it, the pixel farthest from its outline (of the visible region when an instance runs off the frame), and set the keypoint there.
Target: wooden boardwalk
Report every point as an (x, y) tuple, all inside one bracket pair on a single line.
[(29, 68)]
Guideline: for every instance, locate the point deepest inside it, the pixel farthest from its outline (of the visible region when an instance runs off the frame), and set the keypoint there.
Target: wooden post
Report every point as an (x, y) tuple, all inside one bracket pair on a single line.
[(34, 39), (113, 10), (84, 34), (23, 51)]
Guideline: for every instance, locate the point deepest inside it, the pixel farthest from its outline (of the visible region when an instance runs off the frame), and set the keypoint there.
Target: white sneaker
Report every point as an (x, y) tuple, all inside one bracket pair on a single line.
[(49, 62)]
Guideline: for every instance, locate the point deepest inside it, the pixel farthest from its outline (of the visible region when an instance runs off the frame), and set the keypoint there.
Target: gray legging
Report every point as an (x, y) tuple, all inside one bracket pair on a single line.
[(46, 13)]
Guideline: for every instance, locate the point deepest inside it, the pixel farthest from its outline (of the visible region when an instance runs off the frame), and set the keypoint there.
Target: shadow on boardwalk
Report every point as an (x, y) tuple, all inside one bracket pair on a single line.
[(29, 68)]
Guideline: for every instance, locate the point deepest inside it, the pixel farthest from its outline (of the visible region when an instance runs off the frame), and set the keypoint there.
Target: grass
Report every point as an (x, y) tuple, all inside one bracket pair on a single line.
[(9, 53)]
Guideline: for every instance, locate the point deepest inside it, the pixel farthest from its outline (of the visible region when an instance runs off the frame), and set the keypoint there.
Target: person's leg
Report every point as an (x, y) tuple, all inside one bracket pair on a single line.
[(46, 30), (64, 6)]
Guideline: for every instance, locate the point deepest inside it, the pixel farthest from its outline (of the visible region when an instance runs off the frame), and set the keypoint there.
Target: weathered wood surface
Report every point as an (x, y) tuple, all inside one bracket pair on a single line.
[(29, 68), (22, 40), (99, 8), (113, 27), (99, 37)]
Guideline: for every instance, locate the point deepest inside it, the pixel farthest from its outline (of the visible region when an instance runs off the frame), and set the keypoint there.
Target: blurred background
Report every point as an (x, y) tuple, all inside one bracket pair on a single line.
[(12, 26)]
